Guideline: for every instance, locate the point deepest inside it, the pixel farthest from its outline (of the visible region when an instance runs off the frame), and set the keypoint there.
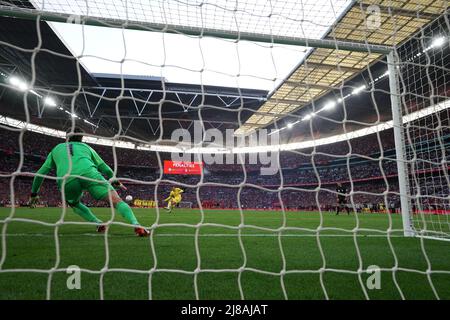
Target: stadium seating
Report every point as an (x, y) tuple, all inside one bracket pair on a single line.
[(302, 173)]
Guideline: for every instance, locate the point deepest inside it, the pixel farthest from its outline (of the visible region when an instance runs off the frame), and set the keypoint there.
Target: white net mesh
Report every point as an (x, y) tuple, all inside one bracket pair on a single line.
[(325, 224), (424, 75)]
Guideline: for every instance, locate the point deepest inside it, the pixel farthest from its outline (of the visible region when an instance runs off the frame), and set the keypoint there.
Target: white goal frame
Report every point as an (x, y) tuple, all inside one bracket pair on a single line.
[(397, 119), (187, 203)]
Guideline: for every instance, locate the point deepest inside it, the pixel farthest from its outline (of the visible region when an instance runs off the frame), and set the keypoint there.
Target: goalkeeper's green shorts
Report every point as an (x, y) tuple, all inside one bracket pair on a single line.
[(98, 189)]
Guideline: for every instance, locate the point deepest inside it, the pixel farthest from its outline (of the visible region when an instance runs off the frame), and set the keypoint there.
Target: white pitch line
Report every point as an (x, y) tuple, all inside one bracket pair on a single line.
[(200, 235)]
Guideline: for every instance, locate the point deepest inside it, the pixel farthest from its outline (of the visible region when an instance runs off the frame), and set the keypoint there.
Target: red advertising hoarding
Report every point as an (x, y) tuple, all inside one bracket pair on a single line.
[(182, 167)]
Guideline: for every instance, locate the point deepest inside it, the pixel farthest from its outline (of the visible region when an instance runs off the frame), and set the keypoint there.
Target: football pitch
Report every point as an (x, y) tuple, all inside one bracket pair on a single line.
[(222, 259)]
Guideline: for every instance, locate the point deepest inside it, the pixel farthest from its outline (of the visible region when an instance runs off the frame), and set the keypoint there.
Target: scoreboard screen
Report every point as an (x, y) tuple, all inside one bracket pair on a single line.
[(182, 167)]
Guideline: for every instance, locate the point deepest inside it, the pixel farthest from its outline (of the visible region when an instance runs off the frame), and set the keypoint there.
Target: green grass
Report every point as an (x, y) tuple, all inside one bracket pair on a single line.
[(33, 246)]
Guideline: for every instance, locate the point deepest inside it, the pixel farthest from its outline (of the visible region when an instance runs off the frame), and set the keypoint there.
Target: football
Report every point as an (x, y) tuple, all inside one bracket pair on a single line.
[(128, 198)]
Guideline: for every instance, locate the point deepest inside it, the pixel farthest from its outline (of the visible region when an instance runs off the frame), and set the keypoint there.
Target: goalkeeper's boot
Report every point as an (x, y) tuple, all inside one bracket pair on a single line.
[(101, 228), (34, 199), (141, 232)]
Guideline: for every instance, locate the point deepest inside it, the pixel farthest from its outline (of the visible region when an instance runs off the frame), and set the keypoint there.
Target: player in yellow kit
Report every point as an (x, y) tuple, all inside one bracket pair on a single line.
[(173, 199)]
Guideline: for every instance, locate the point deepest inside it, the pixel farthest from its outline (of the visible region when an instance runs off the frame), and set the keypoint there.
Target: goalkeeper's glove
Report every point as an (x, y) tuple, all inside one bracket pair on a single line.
[(34, 199), (118, 185)]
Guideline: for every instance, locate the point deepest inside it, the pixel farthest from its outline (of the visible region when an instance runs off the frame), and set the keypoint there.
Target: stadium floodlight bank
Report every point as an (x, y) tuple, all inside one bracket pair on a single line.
[(421, 149)]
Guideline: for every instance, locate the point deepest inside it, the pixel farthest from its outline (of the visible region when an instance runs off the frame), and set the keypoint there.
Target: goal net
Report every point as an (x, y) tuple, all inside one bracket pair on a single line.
[(319, 128), (185, 204), (423, 77)]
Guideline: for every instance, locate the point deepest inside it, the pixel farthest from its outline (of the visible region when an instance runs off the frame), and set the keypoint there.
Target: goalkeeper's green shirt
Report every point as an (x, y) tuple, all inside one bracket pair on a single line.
[(73, 159)]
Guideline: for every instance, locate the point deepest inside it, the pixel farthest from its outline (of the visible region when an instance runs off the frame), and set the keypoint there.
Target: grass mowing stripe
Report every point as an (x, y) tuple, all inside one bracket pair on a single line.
[(32, 246), (193, 235)]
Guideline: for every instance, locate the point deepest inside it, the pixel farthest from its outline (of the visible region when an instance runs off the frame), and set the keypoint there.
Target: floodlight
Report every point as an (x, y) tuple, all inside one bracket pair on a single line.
[(358, 90), (438, 42), (329, 105), (15, 81), (49, 101)]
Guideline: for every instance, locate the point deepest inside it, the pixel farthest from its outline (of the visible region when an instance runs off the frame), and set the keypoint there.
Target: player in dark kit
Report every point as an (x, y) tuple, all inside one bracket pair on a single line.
[(341, 199)]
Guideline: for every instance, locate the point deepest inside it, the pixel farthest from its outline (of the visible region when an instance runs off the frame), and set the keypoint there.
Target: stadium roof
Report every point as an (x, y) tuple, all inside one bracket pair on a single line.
[(55, 69), (327, 69), (205, 60)]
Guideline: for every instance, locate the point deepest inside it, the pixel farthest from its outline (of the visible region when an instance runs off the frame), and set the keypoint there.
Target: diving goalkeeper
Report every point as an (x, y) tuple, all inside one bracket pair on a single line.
[(74, 161), (173, 199)]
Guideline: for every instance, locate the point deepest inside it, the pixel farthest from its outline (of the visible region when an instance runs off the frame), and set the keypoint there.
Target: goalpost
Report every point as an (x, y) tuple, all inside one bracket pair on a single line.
[(425, 210), (421, 82), (185, 204), (419, 104)]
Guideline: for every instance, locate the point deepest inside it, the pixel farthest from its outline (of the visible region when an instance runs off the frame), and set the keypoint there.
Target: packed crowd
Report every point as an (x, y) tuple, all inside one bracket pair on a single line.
[(369, 195), (306, 180), (39, 145), (210, 196)]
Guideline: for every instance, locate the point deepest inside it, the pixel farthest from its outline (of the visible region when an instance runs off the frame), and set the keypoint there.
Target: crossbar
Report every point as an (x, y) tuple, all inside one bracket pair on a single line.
[(33, 14)]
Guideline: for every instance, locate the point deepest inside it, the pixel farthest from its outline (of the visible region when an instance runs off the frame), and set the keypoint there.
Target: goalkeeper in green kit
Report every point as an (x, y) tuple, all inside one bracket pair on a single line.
[(83, 169)]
